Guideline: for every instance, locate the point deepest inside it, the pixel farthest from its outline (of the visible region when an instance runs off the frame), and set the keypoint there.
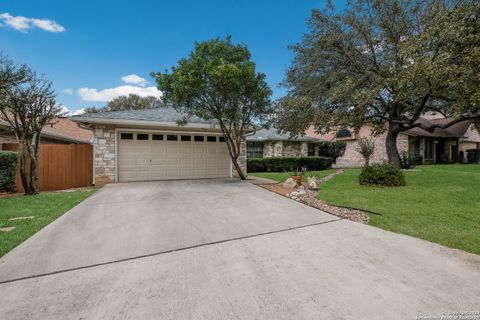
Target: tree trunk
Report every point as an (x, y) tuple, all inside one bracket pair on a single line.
[(391, 145), (240, 172), (23, 167), (33, 152)]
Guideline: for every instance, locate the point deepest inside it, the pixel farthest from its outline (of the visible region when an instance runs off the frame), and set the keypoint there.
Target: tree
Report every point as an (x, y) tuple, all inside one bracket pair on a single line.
[(27, 104), (130, 102), (218, 82), (385, 63), (366, 147)]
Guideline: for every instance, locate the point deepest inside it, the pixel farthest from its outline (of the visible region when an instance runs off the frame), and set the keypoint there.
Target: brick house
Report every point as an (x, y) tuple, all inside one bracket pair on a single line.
[(440, 146), (270, 143)]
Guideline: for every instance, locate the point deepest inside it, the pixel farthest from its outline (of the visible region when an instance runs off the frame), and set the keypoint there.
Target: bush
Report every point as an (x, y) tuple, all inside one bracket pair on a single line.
[(406, 160), (281, 164), (8, 171), (331, 149), (382, 175), (473, 155), (366, 147)]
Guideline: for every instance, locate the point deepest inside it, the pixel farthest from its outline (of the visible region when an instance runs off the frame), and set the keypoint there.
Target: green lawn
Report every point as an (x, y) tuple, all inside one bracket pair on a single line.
[(46, 207), (440, 203), (282, 176)]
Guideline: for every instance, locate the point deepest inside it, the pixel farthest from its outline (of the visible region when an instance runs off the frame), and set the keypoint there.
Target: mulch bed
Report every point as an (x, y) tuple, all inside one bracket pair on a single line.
[(310, 199)]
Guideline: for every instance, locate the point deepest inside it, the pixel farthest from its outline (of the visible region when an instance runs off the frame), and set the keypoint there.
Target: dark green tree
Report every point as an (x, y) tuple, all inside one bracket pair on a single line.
[(385, 63), (130, 102), (218, 82)]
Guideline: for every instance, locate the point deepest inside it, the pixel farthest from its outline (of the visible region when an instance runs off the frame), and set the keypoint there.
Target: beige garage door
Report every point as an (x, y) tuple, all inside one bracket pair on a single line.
[(144, 156)]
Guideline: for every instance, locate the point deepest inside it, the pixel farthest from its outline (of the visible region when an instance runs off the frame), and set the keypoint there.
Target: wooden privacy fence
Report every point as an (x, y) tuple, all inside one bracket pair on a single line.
[(61, 166)]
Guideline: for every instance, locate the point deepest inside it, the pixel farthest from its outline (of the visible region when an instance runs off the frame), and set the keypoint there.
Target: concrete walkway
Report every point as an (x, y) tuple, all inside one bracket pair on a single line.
[(212, 249)]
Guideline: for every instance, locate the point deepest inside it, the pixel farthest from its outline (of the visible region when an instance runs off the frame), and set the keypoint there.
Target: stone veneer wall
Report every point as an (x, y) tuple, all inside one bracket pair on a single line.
[(351, 158), (104, 148), (285, 149)]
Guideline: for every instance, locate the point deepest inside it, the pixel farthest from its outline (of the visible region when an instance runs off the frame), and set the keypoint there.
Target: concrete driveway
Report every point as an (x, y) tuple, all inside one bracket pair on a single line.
[(225, 249)]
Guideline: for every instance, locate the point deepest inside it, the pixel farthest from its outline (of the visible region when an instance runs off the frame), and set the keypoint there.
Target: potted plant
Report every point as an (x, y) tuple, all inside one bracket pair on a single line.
[(297, 175)]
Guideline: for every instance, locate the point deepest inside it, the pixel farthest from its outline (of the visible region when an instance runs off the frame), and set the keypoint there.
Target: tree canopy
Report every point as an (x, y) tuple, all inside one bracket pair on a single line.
[(218, 81), (27, 104), (130, 102), (385, 63)]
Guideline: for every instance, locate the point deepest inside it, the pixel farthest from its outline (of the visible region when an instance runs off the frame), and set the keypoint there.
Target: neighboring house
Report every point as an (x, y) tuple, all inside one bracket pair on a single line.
[(59, 131), (142, 145), (66, 154), (270, 143), (441, 146)]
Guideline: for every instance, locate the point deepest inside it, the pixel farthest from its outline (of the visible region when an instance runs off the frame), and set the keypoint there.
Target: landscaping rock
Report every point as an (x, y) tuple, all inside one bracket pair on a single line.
[(313, 183), (290, 183)]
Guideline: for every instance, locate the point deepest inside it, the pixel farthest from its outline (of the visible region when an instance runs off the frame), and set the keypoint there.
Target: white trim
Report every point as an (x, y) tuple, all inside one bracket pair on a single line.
[(230, 165), (142, 123), (166, 131), (116, 155)]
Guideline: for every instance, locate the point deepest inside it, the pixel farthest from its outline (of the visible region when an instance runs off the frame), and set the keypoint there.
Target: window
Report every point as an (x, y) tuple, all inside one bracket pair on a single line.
[(157, 137), (343, 133), (126, 136), (211, 139), (254, 149), (171, 137), (186, 138), (198, 138), (221, 139), (142, 136), (311, 149), (428, 148)]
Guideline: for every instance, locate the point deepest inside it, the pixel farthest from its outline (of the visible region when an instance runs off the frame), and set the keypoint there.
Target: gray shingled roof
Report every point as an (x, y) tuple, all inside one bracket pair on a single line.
[(165, 114), (273, 134)]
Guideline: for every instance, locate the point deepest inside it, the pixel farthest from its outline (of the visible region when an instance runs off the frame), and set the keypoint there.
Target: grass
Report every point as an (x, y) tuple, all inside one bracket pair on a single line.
[(282, 176), (440, 203), (46, 207)]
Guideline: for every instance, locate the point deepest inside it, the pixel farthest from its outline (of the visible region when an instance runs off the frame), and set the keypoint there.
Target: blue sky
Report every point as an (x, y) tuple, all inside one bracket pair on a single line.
[(87, 47)]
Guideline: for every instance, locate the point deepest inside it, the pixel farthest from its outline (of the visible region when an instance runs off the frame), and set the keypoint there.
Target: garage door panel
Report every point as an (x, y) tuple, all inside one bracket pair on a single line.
[(141, 160)]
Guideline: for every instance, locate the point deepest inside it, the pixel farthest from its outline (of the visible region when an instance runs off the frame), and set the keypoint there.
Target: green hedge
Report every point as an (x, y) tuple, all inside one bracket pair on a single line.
[(331, 149), (8, 171), (281, 164), (384, 175)]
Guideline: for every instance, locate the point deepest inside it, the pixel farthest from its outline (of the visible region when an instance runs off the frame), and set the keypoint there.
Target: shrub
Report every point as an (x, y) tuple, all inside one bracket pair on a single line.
[(406, 160), (473, 155), (281, 164), (8, 171), (331, 149), (366, 147), (382, 175), (255, 165)]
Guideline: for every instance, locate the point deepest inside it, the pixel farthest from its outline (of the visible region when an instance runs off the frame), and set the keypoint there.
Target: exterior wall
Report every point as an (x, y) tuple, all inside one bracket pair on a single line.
[(104, 158), (5, 138), (351, 158), (285, 149), (272, 149)]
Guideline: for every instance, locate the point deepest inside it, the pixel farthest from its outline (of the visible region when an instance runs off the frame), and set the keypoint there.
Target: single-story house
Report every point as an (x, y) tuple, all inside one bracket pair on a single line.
[(143, 145), (440, 146), (270, 143), (60, 131)]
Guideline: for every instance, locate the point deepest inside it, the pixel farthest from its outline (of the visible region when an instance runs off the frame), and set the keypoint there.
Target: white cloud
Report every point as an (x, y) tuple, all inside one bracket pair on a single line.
[(68, 91), (134, 79), (92, 94), (68, 112), (23, 23)]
